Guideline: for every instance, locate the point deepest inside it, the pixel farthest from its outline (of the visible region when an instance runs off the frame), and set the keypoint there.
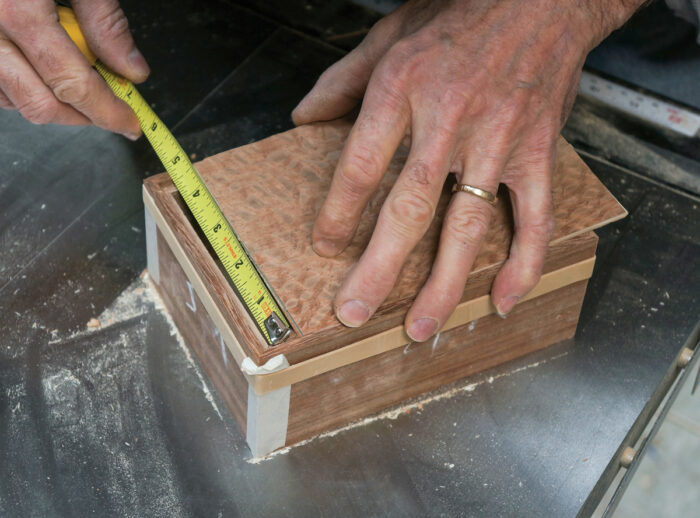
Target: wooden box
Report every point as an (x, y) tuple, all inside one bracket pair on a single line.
[(325, 374)]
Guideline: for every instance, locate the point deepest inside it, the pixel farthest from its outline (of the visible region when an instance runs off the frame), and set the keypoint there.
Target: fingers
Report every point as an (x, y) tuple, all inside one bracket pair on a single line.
[(337, 91), (341, 87), (463, 231), (531, 198), (33, 27), (24, 91), (106, 30), (484, 156), (405, 216), (370, 146)]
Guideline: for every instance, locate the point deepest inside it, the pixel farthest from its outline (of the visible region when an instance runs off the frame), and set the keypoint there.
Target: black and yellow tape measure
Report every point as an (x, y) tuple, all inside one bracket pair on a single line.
[(247, 281)]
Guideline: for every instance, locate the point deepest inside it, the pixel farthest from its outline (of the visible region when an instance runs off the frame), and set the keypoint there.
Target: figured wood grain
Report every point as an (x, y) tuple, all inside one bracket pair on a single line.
[(271, 191), (342, 395)]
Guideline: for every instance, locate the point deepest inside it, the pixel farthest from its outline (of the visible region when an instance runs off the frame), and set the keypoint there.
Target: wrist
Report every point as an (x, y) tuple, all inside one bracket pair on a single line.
[(602, 17)]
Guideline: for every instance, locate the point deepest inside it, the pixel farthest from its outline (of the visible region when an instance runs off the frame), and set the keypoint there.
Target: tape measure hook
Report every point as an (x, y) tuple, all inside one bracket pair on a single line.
[(276, 329)]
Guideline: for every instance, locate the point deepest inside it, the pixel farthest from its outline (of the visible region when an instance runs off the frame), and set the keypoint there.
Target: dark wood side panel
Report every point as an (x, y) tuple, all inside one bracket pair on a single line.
[(201, 334), (342, 395)]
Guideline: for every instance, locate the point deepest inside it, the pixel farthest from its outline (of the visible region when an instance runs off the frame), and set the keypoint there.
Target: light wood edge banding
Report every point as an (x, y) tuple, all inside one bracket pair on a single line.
[(197, 283), (396, 337)]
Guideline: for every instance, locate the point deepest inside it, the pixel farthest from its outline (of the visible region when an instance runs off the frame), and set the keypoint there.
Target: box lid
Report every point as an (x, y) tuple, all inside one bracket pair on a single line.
[(271, 191)]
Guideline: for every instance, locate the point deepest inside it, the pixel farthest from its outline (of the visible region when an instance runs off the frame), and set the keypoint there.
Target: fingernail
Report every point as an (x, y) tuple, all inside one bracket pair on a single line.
[(132, 136), (353, 313), (138, 62), (422, 329), (506, 306), (326, 248)]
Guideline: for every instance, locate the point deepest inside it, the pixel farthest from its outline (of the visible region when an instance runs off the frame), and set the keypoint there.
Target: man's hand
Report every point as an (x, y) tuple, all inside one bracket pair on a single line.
[(483, 88), (44, 76)]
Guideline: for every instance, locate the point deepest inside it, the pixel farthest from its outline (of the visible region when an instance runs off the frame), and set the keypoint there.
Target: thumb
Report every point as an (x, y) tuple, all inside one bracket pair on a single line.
[(342, 86), (107, 32), (337, 91)]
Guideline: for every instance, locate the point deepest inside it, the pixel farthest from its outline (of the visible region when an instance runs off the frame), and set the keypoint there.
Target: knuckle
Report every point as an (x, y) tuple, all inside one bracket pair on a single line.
[(410, 210), (12, 15), (457, 98), (402, 61), (468, 226), (402, 51), (541, 146), (540, 231), (71, 89), (113, 22), (361, 171), (39, 110)]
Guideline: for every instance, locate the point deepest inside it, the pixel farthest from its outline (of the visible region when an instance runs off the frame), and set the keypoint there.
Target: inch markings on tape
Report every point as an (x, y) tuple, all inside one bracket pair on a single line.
[(247, 281), (644, 106)]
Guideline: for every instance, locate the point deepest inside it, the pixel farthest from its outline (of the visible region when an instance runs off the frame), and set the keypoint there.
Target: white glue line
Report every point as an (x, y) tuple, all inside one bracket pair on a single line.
[(396, 412), (435, 343)]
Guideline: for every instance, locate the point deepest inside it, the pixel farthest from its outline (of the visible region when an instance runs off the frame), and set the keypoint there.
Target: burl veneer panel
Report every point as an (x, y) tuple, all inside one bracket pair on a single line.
[(342, 395), (201, 334), (271, 192)]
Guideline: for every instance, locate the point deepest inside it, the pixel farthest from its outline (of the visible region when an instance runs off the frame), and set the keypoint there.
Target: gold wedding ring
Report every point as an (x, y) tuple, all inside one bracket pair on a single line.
[(475, 191)]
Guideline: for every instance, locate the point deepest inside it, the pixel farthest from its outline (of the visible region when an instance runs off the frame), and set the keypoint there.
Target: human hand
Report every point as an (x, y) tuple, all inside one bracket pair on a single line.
[(44, 76), (483, 88)]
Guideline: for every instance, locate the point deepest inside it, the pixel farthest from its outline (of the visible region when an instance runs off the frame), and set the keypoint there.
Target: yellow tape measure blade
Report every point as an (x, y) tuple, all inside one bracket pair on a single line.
[(251, 288), (247, 281)]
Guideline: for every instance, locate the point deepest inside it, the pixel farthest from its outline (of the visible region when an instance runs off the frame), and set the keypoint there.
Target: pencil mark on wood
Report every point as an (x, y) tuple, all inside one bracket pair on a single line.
[(192, 304)]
